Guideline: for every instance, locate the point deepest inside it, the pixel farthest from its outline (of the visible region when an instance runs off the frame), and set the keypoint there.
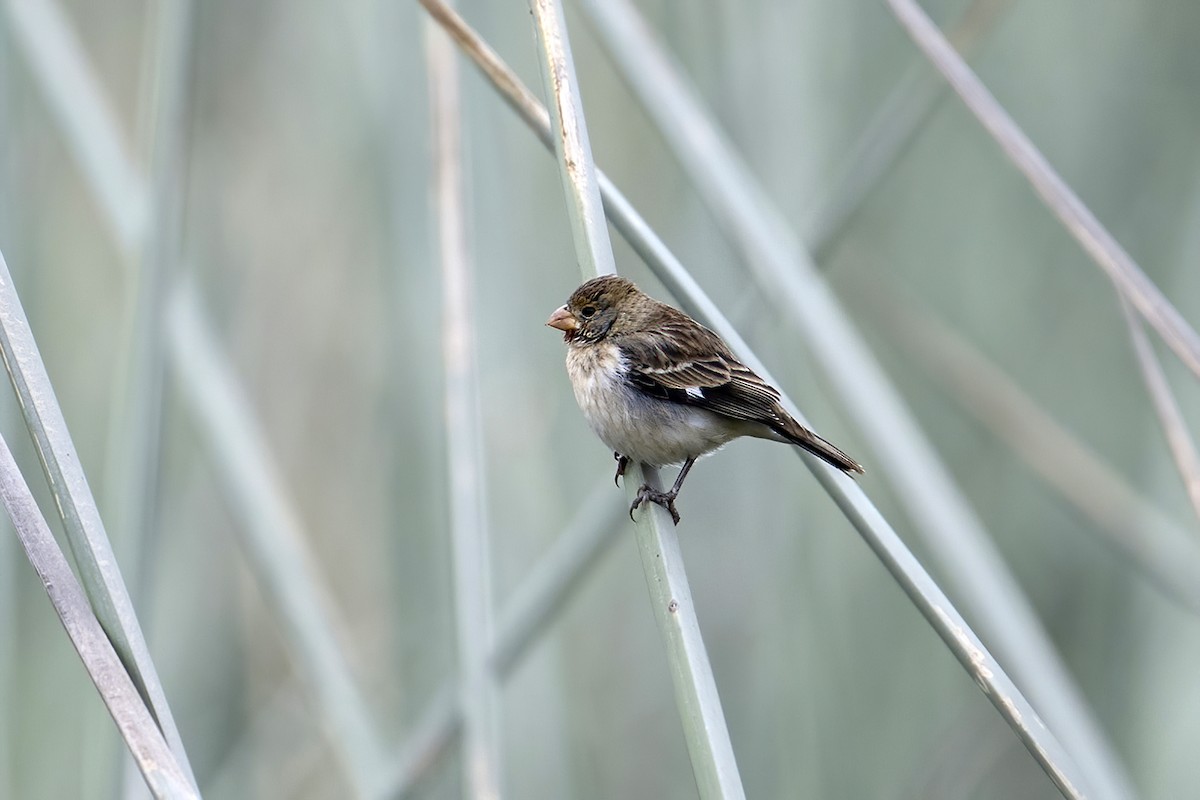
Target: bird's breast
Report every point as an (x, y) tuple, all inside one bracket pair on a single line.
[(597, 375), (633, 423)]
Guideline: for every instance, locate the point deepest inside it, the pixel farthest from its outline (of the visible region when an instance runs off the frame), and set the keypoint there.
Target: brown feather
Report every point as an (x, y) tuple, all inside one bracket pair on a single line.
[(669, 356)]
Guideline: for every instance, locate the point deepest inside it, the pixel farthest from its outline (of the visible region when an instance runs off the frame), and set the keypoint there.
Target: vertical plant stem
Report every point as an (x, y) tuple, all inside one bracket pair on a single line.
[(704, 727), (136, 423), (134, 458), (534, 604), (590, 231), (711, 751), (464, 445)]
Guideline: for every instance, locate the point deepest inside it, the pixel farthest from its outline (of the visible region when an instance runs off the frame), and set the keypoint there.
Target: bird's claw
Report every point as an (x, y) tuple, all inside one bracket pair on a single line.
[(622, 463), (664, 499)]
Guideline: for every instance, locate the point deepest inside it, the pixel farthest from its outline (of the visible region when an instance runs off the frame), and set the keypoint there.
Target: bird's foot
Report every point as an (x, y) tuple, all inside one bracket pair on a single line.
[(622, 463), (664, 499)]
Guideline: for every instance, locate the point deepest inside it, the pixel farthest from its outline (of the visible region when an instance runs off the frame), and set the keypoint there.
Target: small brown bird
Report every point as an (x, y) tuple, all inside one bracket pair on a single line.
[(659, 388)]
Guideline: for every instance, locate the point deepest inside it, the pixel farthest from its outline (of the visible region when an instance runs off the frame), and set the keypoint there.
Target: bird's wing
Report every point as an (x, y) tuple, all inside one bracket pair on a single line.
[(685, 362)]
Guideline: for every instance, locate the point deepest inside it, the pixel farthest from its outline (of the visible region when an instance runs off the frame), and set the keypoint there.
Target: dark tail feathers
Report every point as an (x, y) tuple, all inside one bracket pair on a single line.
[(797, 434)]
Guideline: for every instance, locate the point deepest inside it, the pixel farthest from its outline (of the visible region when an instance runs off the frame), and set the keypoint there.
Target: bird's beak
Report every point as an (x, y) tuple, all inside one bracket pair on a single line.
[(564, 320)]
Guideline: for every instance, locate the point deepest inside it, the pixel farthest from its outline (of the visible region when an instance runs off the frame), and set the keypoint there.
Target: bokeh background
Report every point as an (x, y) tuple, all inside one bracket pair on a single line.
[(305, 232)]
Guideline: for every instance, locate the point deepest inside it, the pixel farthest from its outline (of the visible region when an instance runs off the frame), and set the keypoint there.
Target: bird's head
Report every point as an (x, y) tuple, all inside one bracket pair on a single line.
[(595, 307)]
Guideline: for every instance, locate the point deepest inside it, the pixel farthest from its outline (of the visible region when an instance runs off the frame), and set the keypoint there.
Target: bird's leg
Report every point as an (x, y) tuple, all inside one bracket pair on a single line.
[(622, 463), (664, 499)]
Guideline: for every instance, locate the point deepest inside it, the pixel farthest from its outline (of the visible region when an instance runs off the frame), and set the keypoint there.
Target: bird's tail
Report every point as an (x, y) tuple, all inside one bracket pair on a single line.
[(799, 435)]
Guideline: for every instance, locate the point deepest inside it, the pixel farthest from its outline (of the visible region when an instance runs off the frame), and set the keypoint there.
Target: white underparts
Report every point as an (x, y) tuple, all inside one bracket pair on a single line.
[(634, 424)]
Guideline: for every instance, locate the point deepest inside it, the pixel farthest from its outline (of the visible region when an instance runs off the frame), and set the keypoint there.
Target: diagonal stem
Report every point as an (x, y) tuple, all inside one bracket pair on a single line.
[(758, 229), (892, 130), (1133, 526), (158, 765), (86, 536), (272, 535), (1166, 408), (1076, 217)]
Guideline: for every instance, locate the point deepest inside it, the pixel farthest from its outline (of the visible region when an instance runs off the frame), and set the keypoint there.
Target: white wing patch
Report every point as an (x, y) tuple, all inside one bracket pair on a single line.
[(679, 367), (694, 392)]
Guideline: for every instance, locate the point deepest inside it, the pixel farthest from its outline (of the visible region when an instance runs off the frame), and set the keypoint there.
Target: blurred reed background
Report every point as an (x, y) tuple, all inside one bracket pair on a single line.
[(220, 222)]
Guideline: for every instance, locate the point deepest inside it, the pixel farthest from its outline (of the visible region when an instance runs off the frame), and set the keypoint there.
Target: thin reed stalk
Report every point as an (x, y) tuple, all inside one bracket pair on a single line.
[(97, 646), (713, 761), (135, 426), (482, 775), (98, 570), (538, 600), (1166, 408), (134, 458)]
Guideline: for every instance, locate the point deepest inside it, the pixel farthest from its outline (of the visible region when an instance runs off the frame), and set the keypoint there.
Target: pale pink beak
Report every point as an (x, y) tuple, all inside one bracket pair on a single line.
[(564, 320)]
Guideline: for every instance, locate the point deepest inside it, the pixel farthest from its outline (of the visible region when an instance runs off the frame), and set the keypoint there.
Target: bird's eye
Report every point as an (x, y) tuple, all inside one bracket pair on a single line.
[(587, 311)]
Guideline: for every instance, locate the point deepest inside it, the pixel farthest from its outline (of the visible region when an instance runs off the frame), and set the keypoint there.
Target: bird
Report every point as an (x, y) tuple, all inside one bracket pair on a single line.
[(659, 388)]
